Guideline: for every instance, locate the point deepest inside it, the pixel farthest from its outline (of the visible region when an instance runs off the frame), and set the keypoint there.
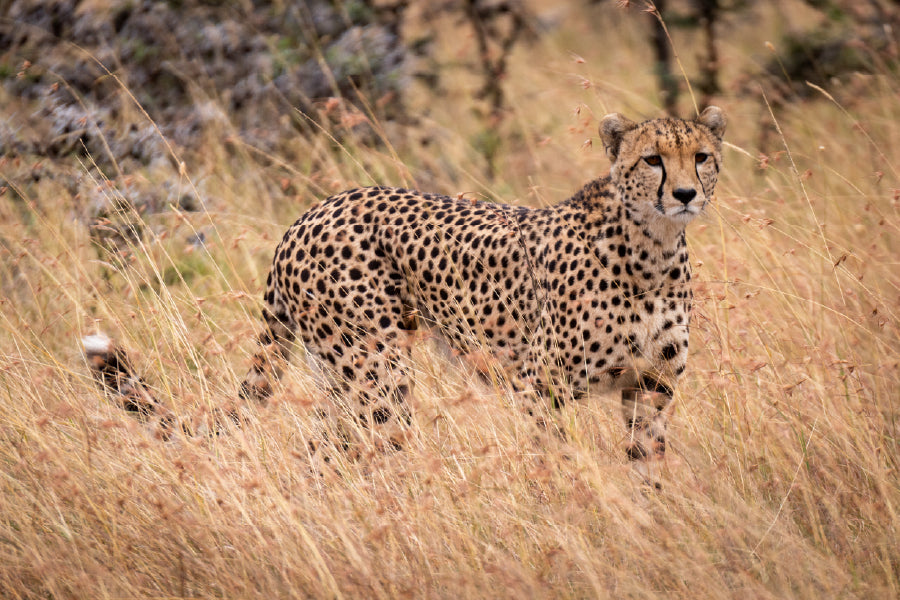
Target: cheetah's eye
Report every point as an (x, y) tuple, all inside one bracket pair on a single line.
[(701, 157), (653, 160)]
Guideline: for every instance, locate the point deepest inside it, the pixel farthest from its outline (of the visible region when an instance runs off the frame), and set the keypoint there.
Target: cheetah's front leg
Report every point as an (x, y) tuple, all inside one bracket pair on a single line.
[(646, 414)]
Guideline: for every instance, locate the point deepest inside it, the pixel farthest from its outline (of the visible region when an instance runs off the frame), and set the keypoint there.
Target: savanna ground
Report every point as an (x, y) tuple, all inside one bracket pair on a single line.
[(781, 479)]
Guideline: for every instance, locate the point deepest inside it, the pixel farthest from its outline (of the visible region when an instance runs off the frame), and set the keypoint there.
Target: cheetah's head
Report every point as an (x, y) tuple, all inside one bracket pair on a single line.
[(665, 170)]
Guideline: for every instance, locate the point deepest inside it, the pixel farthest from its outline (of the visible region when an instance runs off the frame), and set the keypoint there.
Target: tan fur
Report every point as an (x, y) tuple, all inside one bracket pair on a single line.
[(569, 298)]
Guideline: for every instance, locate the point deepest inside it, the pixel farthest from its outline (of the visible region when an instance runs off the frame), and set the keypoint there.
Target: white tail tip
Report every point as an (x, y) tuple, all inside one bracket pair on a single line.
[(96, 344)]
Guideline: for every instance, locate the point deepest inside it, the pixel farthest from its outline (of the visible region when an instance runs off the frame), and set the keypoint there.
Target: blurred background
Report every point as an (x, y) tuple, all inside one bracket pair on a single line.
[(128, 86)]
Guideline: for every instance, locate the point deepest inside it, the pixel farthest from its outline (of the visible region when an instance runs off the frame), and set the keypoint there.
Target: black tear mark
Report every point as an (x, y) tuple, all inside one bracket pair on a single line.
[(659, 192)]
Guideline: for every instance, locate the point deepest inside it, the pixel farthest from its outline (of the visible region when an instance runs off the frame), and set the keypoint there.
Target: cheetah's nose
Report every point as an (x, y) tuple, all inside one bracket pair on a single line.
[(684, 195)]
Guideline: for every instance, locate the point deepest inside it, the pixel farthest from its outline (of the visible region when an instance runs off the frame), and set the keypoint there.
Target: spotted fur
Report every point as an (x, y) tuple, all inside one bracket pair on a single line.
[(592, 294)]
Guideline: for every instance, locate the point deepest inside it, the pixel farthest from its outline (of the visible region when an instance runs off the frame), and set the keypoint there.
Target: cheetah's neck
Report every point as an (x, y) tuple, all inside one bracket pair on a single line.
[(648, 257)]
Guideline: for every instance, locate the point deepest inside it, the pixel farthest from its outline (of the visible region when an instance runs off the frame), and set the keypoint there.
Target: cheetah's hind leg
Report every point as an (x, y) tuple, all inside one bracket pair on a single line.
[(274, 352)]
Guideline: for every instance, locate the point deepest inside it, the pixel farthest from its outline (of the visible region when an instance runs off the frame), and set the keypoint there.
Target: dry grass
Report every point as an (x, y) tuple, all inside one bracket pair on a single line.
[(781, 482)]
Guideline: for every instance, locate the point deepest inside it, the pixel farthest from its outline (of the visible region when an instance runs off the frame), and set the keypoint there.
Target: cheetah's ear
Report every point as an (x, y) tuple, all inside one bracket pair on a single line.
[(613, 128), (714, 118)]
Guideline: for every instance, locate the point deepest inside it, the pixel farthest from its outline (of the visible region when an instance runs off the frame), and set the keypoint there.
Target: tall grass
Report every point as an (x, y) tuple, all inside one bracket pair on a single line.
[(781, 479)]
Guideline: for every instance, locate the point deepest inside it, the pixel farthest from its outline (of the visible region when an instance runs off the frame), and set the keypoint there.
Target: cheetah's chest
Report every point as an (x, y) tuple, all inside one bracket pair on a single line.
[(602, 315)]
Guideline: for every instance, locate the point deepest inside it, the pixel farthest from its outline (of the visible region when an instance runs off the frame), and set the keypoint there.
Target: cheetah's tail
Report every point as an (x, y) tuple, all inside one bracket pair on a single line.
[(112, 370)]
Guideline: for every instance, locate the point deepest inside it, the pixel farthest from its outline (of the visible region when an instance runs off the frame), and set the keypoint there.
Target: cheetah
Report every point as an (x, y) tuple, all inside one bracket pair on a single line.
[(590, 295)]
